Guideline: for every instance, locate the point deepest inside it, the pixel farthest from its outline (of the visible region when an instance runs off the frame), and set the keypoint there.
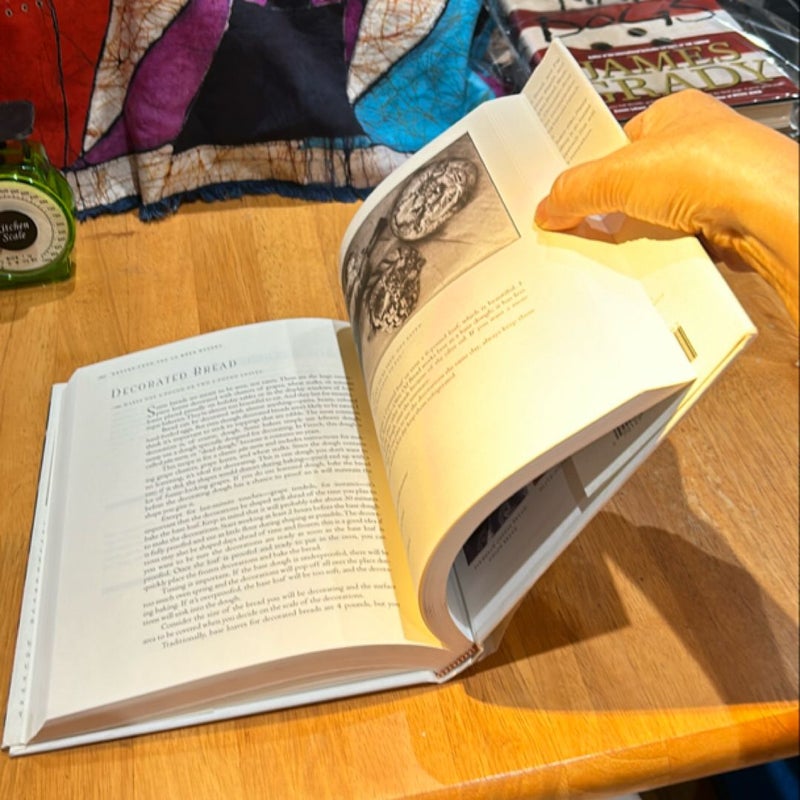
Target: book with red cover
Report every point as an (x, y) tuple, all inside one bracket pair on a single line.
[(635, 52)]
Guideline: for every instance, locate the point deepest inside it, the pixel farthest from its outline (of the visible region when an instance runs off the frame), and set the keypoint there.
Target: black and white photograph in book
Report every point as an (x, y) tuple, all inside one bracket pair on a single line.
[(442, 220), (480, 539)]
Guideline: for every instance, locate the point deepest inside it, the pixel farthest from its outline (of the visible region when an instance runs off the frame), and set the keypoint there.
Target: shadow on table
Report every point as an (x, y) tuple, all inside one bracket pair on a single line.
[(716, 634)]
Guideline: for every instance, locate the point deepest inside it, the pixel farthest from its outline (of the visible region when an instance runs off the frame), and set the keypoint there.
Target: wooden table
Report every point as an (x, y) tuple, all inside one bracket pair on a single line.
[(661, 646)]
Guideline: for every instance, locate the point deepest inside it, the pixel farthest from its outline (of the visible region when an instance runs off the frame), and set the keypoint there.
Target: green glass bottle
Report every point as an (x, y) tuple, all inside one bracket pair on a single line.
[(37, 208)]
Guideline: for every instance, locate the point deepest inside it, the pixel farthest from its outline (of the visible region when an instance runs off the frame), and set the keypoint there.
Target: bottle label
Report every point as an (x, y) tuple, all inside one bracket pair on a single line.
[(34, 231)]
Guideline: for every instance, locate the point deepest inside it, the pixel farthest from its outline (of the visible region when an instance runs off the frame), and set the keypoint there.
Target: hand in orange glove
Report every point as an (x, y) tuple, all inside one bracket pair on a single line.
[(697, 166)]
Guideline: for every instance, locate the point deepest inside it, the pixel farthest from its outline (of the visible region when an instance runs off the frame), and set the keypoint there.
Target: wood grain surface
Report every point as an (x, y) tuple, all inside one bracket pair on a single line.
[(661, 646)]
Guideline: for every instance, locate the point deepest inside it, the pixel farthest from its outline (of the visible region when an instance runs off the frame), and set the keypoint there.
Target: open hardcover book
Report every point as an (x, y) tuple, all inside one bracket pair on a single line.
[(299, 510)]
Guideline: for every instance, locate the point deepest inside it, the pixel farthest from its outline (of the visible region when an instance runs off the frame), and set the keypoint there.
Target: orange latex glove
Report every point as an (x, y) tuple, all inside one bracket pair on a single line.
[(697, 166)]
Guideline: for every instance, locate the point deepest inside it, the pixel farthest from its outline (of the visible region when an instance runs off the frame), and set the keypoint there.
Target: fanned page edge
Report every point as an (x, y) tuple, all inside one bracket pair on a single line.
[(558, 82), (224, 712), (27, 647)]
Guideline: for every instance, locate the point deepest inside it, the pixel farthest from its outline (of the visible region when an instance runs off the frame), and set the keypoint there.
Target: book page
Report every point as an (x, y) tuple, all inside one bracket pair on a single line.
[(514, 545), (221, 506), (575, 117), (492, 350), (511, 547)]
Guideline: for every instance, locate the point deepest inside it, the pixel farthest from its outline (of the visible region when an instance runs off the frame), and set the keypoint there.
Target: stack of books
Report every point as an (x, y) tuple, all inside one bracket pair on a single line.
[(635, 51)]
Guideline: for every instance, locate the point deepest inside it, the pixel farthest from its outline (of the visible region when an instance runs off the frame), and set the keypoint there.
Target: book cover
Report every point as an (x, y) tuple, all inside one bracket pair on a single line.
[(636, 52)]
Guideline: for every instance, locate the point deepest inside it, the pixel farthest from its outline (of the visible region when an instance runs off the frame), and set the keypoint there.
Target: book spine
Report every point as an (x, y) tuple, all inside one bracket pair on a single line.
[(460, 663)]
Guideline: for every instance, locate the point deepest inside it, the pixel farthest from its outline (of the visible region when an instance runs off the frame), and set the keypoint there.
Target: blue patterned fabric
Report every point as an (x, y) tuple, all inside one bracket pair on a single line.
[(146, 105), (430, 88)]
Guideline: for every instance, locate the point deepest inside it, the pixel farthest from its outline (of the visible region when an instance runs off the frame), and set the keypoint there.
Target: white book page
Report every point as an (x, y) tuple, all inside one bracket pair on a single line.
[(514, 545), (706, 320), (598, 462), (493, 350), (576, 119), (519, 540), (219, 511)]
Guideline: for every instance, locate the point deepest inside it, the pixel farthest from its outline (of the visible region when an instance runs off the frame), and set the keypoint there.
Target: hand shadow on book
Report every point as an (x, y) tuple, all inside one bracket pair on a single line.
[(723, 627)]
